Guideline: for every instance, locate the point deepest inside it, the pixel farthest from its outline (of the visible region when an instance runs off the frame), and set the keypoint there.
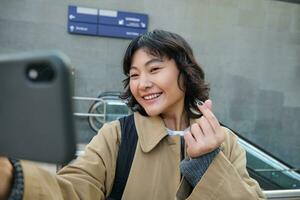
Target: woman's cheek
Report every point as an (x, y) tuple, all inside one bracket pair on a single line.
[(133, 88)]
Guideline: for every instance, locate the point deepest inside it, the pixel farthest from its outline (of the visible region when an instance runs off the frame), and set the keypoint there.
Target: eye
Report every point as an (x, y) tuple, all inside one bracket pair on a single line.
[(133, 75), (155, 69)]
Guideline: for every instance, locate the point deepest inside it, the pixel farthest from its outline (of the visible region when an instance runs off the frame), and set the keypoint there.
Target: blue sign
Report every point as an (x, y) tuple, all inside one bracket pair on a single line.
[(120, 32), (108, 23), (82, 28), (81, 14), (119, 18)]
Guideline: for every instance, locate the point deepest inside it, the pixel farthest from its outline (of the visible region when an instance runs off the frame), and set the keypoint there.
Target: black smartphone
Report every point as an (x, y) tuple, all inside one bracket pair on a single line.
[(36, 111)]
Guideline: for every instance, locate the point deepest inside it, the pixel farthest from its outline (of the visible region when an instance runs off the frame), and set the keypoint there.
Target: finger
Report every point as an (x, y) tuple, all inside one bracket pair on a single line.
[(208, 103), (196, 131), (189, 139), (208, 114), (205, 126)]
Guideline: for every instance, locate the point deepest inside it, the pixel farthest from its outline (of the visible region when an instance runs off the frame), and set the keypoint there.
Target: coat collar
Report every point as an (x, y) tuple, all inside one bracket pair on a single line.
[(150, 130)]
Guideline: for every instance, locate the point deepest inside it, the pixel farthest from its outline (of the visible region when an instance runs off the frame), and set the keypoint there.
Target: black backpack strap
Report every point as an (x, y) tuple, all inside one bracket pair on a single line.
[(125, 156)]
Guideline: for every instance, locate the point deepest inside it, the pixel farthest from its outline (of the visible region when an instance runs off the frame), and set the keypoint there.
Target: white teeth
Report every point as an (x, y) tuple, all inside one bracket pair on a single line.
[(152, 96)]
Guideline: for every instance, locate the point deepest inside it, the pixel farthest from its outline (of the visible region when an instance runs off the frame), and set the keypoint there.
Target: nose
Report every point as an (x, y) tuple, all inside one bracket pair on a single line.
[(144, 82)]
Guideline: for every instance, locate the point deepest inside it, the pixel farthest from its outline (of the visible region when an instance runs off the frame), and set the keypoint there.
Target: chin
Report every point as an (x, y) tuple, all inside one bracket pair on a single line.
[(152, 112)]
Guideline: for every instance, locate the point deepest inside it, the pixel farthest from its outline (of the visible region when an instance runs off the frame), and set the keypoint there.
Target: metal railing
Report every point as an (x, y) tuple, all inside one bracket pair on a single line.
[(81, 114), (283, 194), (97, 118)]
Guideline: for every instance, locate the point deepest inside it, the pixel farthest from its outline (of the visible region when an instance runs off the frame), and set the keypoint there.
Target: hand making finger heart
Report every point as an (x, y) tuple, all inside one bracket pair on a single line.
[(206, 134)]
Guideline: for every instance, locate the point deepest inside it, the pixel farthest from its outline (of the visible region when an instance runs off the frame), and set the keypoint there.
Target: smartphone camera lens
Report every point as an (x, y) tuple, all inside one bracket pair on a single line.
[(33, 74), (40, 72)]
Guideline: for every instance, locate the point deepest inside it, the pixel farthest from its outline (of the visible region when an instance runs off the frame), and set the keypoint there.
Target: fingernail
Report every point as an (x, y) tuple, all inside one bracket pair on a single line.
[(199, 102)]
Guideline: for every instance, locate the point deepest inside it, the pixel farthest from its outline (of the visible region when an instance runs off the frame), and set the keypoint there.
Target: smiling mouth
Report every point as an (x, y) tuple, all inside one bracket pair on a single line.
[(151, 96)]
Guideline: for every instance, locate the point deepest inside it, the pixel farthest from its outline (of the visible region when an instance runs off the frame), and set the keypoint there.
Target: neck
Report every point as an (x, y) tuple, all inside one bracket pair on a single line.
[(176, 122)]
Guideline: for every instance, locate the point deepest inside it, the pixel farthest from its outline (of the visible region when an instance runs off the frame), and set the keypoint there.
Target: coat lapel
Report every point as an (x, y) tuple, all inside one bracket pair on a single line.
[(150, 130)]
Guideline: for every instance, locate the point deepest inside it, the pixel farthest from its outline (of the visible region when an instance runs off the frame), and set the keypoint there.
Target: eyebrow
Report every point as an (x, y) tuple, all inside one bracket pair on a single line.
[(154, 60)]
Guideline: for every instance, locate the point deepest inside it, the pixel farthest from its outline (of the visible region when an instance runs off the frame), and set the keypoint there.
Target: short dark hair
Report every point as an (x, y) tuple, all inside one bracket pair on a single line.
[(162, 44)]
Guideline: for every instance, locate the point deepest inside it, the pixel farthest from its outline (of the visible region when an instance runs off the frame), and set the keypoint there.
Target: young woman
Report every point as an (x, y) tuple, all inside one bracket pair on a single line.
[(182, 151)]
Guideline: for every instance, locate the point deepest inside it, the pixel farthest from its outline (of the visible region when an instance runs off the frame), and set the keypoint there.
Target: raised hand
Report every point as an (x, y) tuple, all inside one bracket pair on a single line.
[(206, 134)]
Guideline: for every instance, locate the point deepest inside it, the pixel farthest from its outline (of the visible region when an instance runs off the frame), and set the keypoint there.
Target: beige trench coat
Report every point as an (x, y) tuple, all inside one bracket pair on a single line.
[(154, 173)]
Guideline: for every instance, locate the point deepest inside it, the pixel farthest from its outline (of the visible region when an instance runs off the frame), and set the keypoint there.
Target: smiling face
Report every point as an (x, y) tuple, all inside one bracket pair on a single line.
[(153, 83)]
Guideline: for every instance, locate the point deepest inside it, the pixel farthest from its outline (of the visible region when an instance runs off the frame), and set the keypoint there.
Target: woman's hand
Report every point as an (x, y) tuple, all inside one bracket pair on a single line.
[(206, 134), (6, 177)]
